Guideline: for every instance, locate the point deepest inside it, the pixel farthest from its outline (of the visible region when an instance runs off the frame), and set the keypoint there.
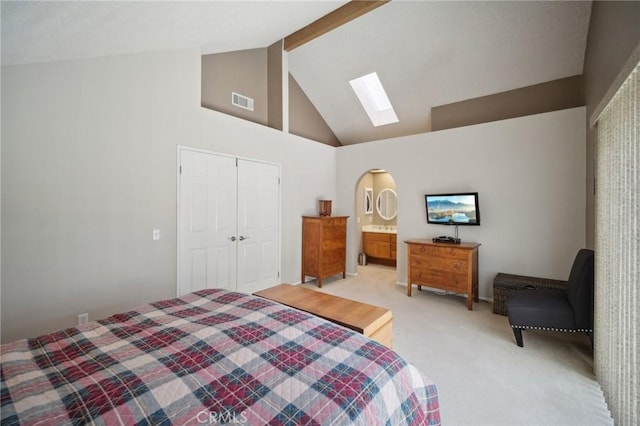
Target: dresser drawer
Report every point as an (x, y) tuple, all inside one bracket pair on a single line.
[(435, 263), (334, 255), (333, 244), (439, 251), (334, 233), (337, 222), (446, 280)]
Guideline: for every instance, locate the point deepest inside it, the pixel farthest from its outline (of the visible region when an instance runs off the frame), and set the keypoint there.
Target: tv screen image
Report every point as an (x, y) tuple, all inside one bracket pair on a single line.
[(453, 209)]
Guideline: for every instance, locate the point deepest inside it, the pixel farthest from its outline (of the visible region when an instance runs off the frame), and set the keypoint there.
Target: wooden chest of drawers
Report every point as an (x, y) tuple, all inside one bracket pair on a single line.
[(450, 267), (324, 246)]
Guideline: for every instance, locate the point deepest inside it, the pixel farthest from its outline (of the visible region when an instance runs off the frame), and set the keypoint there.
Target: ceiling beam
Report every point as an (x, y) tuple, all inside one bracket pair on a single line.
[(330, 21)]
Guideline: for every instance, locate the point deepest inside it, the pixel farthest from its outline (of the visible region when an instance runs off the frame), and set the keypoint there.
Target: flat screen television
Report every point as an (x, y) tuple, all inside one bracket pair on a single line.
[(453, 209)]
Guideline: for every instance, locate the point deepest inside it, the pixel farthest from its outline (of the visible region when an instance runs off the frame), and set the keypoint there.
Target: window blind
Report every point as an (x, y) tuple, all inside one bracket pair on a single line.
[(617, 248)]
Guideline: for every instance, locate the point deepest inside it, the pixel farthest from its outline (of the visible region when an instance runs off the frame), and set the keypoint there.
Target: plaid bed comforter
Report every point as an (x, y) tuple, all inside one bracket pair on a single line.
[(211, 357)]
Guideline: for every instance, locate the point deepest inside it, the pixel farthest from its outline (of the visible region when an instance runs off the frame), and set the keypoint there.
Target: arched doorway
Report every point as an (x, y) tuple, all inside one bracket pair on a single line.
[(376, 218)]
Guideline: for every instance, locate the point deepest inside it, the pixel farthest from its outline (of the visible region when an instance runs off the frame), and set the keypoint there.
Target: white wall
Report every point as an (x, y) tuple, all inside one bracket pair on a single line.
[(89, 169), (529, 173)]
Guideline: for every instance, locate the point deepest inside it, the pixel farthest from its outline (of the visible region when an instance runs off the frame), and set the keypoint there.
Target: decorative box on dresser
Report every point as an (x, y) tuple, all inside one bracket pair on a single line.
[(450, 267), (324, 246)]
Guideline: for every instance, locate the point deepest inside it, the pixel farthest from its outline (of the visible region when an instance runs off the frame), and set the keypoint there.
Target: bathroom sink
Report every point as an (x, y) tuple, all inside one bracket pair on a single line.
[(380, 228)]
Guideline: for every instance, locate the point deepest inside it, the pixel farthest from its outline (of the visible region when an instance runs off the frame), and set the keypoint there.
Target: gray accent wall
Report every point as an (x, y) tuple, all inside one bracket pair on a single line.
[(258, 74), (553, 95), (274, 86), (304, 118), (243, 72)]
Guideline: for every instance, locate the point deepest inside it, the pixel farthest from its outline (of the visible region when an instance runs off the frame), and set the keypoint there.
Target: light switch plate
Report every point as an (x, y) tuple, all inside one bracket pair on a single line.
[(156, 234)]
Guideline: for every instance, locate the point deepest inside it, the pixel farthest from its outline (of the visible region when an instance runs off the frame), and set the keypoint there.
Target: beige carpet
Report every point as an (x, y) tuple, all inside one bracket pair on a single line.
[(483, 377)]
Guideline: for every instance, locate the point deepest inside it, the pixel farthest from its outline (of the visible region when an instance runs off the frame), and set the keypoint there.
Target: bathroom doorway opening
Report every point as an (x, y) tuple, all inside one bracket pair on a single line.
[(376, 200)]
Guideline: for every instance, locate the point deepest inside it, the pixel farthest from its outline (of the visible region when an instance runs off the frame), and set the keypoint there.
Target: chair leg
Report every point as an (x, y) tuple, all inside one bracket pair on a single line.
[(518, 333)]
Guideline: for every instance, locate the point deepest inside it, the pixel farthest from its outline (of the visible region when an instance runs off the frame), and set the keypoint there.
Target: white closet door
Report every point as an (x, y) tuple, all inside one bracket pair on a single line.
[(229, 223), (258, 225), (208, 216)]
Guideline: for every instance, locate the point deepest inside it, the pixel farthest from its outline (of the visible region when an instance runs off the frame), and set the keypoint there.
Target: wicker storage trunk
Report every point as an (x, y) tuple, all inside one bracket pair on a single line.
[(504, 283)]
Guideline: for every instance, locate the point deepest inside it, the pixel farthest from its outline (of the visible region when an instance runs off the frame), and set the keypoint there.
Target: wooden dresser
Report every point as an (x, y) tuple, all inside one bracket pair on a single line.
[(450, 267), (324, 246), (380, 247)]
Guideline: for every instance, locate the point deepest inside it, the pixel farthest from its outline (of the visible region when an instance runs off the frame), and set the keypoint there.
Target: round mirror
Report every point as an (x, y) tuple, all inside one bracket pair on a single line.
[(387, 204)]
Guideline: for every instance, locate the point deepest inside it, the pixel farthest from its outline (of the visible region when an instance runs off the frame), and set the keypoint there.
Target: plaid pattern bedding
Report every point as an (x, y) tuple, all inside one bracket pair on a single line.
[(211, 357)]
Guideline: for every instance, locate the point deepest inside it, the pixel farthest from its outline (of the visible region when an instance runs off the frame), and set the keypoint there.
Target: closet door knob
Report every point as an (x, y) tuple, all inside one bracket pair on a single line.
[(242, 238), (232, 238)]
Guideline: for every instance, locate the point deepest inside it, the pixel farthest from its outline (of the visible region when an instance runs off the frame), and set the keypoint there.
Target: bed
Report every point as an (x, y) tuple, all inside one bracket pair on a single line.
[(212, 356)]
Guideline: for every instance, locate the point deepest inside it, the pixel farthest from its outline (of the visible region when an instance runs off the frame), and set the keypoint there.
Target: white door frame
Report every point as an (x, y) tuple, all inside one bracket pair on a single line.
[(181, 148)]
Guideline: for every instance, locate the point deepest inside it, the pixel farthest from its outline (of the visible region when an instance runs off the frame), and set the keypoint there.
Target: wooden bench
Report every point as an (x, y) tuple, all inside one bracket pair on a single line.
[(372, 321)]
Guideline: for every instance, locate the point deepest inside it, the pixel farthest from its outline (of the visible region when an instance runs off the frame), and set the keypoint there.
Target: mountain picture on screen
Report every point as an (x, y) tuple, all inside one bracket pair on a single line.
[(452, 209)]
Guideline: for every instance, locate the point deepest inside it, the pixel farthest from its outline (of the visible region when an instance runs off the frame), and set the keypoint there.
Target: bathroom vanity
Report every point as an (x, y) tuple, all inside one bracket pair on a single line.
[(379, 244)]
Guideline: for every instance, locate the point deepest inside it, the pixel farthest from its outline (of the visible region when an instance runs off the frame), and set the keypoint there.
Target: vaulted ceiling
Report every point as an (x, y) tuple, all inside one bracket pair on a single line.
[(426, 53)]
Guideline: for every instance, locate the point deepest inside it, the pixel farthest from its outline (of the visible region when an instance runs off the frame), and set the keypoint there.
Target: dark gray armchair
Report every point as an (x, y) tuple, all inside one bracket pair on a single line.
[(558, 310)]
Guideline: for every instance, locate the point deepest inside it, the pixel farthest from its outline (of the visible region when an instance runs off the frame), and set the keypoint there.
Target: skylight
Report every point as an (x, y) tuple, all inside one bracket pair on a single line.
[(374, 99)]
